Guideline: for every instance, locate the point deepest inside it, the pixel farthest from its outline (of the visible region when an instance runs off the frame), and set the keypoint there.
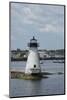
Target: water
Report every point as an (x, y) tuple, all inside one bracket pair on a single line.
[(54, 84)]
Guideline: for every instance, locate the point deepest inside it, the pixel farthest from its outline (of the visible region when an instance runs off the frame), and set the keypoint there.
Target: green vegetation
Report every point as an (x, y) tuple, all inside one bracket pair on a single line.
[(22, 75)]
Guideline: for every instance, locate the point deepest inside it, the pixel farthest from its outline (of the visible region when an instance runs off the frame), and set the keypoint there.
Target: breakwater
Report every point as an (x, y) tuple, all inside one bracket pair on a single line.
[(51, 58)]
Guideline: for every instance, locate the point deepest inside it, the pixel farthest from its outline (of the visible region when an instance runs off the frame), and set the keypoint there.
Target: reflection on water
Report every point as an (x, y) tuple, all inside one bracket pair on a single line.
[(52, 85)]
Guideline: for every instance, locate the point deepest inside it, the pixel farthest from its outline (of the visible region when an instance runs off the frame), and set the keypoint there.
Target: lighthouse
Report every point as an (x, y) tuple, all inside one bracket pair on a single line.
[(33, 63)]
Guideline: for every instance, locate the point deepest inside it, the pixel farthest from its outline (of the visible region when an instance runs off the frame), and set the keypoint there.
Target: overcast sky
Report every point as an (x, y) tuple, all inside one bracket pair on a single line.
[(45, 22)]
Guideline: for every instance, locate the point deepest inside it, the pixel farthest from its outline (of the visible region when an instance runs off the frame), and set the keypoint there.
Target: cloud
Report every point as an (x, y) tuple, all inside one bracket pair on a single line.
[(51, 28), (47, 28), (46, 18), (37, 14), (28, 19), (28, 13)]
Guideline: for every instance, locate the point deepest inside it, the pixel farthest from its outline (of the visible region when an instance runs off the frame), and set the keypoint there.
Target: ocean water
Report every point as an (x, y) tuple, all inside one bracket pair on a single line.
[(52, 85)]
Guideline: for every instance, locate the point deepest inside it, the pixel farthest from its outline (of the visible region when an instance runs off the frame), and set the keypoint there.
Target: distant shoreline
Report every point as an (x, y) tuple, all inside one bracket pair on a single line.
[(21, 55), (25, 59)]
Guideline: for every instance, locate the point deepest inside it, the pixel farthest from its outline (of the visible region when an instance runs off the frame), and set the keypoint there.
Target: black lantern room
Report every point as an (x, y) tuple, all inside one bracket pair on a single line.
[(33, 43)]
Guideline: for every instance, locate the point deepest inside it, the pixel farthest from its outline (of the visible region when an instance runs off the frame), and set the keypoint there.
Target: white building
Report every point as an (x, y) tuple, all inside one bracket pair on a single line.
[(33, 63)]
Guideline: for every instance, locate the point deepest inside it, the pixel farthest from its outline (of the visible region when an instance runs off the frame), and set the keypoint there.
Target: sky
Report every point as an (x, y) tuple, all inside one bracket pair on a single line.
[(45, 22)]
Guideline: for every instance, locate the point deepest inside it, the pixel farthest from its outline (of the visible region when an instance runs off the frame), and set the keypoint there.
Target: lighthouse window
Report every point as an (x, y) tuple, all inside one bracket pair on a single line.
[(33, 45), (34, 66)]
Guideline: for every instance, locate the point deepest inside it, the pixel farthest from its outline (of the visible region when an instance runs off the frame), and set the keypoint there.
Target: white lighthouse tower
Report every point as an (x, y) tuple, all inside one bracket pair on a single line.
[(33, 63)]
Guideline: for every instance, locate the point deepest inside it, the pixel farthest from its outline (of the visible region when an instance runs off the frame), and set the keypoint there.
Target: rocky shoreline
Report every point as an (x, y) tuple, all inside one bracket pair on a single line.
[(22, 75)]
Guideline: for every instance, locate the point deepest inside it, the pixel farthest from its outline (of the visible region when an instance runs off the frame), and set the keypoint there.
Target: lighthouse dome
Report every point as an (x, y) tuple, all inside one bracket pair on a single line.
[(33, 42)]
